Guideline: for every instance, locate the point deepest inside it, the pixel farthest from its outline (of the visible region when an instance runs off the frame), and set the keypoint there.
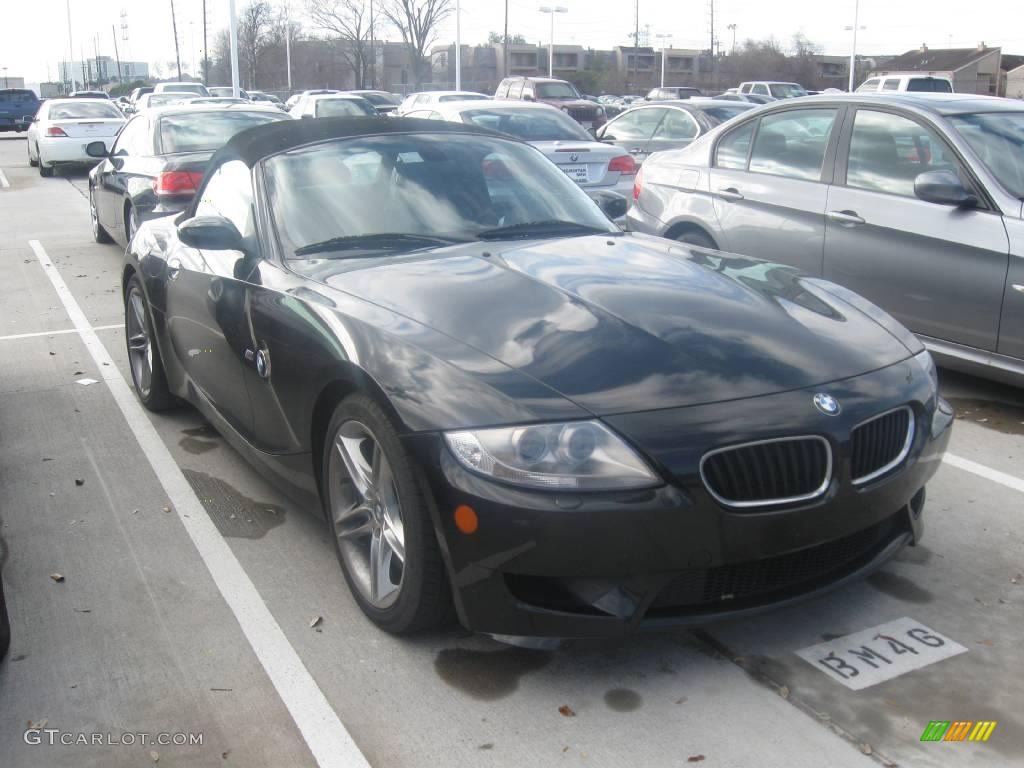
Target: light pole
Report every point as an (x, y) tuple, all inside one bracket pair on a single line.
[(551, 40), (288, 44), (853, 50), (732, 28), (233, 38), (458, 46), (663, 38)]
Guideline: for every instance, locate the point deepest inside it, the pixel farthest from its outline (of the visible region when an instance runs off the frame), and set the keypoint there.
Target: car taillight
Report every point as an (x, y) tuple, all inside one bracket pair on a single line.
[(624, 164), (53, 130), (177, 183), (638, 184)]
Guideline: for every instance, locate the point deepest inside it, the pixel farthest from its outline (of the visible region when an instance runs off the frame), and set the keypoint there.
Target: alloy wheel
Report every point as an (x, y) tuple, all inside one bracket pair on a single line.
[(366, 514), (140, 346), (94, 216)]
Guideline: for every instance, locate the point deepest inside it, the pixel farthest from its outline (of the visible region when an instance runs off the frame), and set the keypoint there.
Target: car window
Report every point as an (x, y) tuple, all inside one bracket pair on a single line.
[(340, 108), (515, 91), (556, 91), (502, 91), (997, 138), (636, 125), (760, 88), (719, 114), (868, 85), (792, 143), (229, 194), (84, 110), (735, 146), (134, 139), (463, 97), (888, 151), (929, 85), (654, 93), (745, 88), (205, 131), (528, 124), (678, 125), (786, 90), (891, 84)]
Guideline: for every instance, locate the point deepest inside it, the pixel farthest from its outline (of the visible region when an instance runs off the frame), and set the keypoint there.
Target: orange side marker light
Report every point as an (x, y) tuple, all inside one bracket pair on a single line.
[(466, 519)]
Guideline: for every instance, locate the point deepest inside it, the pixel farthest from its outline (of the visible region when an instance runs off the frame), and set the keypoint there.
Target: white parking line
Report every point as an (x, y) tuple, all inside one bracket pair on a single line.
[(326, 736), (57, 333), (987, 472), (3, 180)]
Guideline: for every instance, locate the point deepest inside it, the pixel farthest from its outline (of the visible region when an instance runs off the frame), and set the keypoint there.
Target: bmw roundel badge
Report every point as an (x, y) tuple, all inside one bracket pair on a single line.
[(827, 404)]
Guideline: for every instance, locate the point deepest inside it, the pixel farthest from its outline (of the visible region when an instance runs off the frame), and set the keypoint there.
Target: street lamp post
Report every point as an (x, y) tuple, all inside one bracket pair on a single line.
[(853, 50), (732, 28), (663, 38), (551, 40), (458, 46)]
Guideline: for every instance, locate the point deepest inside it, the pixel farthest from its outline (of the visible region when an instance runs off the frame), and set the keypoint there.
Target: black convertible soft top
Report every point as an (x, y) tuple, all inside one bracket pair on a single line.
[(253, 144)]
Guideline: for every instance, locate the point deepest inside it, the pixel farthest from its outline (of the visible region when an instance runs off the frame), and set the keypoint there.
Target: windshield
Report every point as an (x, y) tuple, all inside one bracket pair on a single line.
[(464, 97), (556, 91), (997, 138), (206, 131), (725, 112), (929, 85), (529, 124), (380, 99), (786, 90), (84, 110), (163, 99), (390, 194), (343, 108), (187, 88)]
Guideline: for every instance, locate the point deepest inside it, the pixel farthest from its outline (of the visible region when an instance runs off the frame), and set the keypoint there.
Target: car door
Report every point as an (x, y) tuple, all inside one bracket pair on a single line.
[(128, 158), (676, 130), (939, 269), (206, 300), (633, 130), (1011, 329), (769, 183)]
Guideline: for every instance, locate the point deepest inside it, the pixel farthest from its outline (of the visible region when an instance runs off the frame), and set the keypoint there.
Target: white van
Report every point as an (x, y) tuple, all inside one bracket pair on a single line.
[(897, 83)]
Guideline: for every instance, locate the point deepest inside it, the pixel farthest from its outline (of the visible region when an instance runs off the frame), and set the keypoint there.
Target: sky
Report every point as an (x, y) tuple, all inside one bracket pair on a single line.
[(34, 33)]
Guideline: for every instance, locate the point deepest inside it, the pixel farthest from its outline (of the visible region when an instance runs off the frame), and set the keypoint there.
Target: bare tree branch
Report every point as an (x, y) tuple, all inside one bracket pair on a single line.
[(417, 21), (350, 21)]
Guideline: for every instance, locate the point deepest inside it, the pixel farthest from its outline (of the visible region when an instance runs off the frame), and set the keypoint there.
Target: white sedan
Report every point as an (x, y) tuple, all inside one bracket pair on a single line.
[(63, 128)]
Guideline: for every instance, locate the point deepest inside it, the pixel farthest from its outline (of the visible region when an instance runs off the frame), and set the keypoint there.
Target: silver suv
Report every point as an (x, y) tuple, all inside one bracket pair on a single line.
[(913, 201)]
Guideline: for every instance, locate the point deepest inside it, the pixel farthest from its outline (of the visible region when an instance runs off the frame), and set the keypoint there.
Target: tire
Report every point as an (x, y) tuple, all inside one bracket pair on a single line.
[(31, 161), (131, 222), (697, 237), (361, 516), (99, 234), (46, 171), (147, 368)]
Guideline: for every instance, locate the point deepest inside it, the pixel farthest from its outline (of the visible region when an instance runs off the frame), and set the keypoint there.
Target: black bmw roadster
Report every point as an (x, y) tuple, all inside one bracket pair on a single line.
[(503, 405)]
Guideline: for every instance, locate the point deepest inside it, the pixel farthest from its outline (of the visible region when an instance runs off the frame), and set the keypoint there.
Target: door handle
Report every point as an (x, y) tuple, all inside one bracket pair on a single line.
[(730, 193), (846, 218), (173, 268)]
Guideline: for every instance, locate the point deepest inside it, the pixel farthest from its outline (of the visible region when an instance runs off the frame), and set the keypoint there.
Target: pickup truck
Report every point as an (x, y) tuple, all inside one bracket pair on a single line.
[(15, 105)]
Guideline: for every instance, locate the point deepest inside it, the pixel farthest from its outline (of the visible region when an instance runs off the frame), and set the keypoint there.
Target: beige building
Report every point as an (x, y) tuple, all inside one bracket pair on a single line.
[(972, 70)]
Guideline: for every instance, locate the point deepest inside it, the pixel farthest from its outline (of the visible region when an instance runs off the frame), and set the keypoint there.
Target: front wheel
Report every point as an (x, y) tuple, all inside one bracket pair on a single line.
[(143, 356), (697, 237), (99, 234), (379, 514)]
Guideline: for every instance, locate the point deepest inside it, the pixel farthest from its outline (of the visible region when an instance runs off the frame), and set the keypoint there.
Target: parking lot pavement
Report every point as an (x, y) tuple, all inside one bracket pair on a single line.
[(161, 635)]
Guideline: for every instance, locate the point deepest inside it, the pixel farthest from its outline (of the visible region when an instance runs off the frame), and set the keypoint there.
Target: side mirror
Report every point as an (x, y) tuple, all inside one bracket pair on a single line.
[(211, 233), (943, 188), (28, 118), (96, 149), (612, 204)]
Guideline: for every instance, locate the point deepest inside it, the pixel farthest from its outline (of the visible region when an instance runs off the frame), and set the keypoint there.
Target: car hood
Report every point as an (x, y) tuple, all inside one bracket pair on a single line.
[(626, 323)]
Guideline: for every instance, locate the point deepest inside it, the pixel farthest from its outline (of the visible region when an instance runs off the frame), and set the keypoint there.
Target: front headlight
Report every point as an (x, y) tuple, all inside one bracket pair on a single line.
[(924, 359), (578, 455)]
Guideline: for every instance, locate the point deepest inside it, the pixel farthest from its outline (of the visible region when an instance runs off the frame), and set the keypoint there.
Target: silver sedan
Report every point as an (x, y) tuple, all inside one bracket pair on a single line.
[(593, 165)]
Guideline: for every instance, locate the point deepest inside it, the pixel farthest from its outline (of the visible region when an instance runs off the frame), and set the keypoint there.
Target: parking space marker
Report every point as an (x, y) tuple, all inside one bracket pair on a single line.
[(986, 472), (3, 180), (328, 739), (16, 336)]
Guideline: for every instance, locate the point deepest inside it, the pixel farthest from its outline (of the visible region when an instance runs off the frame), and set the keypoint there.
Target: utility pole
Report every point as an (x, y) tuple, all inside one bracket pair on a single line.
[(288, 40), (853, 50), (373, 55), (636, 45), (732, 28), (85, 72), (96, 49), (71, 52), (504, 46), (458, 43), (117, 56), (711, 50), (177, 51), (233, 37), (206, 51)]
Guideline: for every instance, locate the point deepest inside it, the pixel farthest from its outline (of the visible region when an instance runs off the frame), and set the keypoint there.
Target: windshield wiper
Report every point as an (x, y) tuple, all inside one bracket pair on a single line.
[(387, 241), (546, 227)]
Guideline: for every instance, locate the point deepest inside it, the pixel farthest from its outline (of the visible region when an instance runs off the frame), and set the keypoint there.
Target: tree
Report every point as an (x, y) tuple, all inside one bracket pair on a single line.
[(350, 21), (496, 38), (254, 24), (417, 22)]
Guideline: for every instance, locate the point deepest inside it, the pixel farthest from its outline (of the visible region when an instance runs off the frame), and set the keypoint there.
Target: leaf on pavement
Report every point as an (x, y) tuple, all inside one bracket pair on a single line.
[(566, 711), (695, 759)]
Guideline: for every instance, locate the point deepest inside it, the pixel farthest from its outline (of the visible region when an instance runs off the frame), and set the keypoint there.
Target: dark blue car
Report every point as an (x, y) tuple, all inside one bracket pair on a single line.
[(15, 105)]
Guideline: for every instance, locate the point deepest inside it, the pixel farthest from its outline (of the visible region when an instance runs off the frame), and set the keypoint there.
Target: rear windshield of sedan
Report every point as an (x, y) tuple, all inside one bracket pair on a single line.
[(528, 124), (380, 99), (343, 108), (997, 138), (786, 90), (336, 199), (83, 110), (206, 131), (724, 112)]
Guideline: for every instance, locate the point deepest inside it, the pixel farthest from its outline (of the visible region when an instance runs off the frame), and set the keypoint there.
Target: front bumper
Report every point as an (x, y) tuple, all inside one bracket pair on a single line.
[(606, 564)]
